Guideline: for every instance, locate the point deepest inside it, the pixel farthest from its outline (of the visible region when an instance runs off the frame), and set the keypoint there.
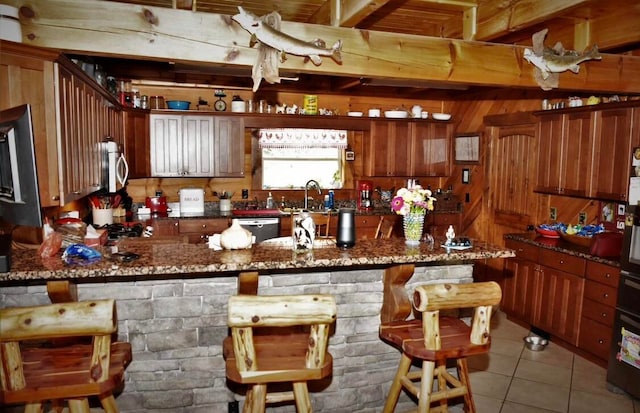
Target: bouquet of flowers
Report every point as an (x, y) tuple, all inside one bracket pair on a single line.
[(414, 200)]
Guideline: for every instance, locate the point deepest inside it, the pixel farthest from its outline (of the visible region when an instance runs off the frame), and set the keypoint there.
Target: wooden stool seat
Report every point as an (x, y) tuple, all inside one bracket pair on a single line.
[(433, 340), (278, 339), (407, 337), (41, 362)]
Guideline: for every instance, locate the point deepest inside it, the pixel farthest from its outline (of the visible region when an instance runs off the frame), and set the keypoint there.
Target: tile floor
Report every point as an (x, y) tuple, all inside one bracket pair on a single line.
[(513, 379)]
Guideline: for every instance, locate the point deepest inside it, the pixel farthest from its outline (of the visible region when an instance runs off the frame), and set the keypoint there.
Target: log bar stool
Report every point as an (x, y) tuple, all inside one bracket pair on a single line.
[(258, 359), (32, 373), (436, 339)]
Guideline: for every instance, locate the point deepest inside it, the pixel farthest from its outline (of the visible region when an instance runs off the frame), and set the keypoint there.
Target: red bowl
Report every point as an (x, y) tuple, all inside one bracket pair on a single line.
[(549, 233), (578, 239)]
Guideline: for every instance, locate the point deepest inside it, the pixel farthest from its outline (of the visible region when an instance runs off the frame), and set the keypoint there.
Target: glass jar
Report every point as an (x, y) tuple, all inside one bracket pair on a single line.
[(144, 102)]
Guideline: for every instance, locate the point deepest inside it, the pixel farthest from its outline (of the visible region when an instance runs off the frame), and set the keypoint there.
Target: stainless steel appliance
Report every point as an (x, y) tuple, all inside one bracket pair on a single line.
[(346, 237), (262, 228), (115, 167), (623, 369)]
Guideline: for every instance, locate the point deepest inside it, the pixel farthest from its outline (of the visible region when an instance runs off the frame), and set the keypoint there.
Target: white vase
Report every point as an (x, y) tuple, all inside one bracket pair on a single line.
[(236, 237)]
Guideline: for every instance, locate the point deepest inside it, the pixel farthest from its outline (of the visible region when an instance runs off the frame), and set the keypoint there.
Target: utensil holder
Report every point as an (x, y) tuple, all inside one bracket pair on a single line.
[(102, 216)]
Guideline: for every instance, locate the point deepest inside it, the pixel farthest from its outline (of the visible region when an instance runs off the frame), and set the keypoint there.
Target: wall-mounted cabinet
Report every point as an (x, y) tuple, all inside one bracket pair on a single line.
[(196, 145), (71, 115), (586, 152), (137, 142), (86, 119), (406, 148)]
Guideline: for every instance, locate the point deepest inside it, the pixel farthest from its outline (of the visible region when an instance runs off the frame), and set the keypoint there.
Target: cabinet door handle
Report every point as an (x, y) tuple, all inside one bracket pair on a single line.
[(605, 295), (561, 261), (607, 275), (600, 341), (204, 225), (603, 315)]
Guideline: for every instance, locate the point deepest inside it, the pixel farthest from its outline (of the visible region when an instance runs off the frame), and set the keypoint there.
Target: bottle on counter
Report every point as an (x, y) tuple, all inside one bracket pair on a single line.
[(331, 199), (282, 203), (270, 203)]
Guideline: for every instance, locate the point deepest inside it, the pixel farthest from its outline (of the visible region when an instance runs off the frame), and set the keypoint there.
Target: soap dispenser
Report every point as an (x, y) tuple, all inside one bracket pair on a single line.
[(270, 204)]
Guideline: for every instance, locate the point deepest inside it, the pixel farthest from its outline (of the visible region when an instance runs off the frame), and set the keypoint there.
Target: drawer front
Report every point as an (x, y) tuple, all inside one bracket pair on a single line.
[(208, 226), (601, 293), (595, 338), (523, 250), (563, 262), (603, 273), (599, 312)]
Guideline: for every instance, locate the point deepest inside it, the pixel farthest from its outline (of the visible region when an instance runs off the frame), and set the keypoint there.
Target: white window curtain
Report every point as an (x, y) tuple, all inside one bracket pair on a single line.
[(302, 138)]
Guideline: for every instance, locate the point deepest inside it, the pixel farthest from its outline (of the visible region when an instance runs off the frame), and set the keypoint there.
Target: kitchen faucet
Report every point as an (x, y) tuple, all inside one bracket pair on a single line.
[(310, 183)]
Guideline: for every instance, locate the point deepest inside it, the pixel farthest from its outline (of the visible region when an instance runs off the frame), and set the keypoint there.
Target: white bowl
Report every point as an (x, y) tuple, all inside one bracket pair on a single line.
[(396, 114), (441, 116), (356, 114)]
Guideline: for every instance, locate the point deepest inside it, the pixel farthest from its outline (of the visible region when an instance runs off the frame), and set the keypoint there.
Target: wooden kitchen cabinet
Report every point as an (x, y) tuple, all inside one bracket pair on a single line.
[(71, 115), (229, 146), (598, 308), (137, 142), (198, 230), (388, 149), (564, 153), (519, 284), (438, 222), (405, 148), (87, 118), (612, 151), (166, 227), (196, 145), (181, 145), (430, 149)]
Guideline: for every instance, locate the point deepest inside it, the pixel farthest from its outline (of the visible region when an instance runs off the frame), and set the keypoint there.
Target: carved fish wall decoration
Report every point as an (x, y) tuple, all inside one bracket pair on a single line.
[(285, 43), (549, 62)]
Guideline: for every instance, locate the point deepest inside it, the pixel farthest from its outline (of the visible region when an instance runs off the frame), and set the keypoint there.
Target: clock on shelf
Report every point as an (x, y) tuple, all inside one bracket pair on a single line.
[(220, 105)]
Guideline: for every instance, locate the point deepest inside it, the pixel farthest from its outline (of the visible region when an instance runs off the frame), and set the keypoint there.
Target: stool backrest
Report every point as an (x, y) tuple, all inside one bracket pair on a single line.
[(75, 319), (248, 311), (430, 299), (384, 229)]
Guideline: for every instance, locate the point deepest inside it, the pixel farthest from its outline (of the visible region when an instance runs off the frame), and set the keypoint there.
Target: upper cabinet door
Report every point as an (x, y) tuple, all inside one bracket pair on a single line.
[(166, 145), (565, 151), (612, 154), (197, 145), (387, 149), (229, 146), (431, 148)]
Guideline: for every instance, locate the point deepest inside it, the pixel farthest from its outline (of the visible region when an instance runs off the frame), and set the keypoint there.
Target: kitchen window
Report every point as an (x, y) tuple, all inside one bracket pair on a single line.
[(291, 157)]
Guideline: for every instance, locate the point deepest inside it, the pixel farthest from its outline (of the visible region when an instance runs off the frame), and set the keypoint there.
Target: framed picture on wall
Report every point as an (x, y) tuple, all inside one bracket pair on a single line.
[(467, 148)]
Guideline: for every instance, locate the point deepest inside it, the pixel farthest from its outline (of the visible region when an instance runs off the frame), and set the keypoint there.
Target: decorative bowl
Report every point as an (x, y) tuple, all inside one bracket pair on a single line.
[(400, 114), (577, 239), (178, 104), (535, 343), (548, 233), (441, 116), (356, 114)]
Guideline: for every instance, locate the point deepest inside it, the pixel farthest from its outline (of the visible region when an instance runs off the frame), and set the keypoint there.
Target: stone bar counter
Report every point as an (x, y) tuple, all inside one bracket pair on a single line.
[(172, 304)]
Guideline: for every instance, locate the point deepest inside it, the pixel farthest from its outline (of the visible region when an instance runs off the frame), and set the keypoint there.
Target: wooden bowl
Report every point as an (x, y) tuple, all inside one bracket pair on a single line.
[(577, 239)]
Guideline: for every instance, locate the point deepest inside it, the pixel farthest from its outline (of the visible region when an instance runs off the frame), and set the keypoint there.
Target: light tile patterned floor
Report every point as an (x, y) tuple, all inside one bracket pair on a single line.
[(513, 379)]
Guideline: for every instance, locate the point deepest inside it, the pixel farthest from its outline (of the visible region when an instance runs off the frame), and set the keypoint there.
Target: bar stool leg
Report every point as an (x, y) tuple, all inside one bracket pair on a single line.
[(256, 399), (463, 376), (79, 405), (426, 385), (396, 386), (109, 404), (301, 395)]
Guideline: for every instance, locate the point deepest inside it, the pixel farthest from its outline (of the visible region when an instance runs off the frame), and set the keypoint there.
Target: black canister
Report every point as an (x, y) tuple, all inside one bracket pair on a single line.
[(346, 236)]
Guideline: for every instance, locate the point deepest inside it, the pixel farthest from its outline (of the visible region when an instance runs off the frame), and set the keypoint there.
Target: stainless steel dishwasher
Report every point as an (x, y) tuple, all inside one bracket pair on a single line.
[(262, 228)]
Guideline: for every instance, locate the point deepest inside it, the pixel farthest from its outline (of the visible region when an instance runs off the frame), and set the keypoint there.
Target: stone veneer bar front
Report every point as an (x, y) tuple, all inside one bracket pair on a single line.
[(172, 305)]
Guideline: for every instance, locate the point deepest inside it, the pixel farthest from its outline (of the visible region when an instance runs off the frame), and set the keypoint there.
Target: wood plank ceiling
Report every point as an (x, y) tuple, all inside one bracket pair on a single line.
[(578, 24)]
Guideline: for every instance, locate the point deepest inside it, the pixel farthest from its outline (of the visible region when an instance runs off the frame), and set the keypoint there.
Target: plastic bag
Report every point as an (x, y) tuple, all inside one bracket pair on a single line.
[(52, 242), (80, 254)]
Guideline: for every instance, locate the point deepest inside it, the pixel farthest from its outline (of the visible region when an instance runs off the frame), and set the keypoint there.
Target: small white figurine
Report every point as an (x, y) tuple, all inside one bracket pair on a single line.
[(451, 234)]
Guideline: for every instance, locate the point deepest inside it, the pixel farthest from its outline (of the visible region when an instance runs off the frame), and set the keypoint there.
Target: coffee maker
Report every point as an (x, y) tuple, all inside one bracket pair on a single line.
[(365, 195)]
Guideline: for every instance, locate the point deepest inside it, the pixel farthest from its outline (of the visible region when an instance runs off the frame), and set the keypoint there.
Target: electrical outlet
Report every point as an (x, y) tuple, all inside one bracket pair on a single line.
[(553, 213), (582, 218)]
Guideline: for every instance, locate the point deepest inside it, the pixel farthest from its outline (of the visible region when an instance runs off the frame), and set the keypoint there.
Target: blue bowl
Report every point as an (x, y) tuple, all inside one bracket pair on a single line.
[(178, 104)]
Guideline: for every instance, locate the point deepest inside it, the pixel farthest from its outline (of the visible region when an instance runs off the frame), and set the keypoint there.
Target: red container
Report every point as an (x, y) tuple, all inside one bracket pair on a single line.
[(365, 195), (156, 204)]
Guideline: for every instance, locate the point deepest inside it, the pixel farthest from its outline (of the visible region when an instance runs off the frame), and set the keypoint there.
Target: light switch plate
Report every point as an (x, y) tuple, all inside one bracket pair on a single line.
[(553, 213), (582, 218)]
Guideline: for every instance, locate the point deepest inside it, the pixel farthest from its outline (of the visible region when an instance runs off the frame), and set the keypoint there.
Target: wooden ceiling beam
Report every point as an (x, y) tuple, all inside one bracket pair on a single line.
[(498, 18), (93, 27), (341, 13)]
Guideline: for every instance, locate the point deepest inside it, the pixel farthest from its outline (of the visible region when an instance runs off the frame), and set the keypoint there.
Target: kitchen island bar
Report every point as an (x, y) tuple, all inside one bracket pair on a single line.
[(172, 305)]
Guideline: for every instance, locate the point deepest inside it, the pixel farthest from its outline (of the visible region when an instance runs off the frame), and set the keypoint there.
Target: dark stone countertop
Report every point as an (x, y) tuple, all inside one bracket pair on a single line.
[(169, 259), (560, 245)]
